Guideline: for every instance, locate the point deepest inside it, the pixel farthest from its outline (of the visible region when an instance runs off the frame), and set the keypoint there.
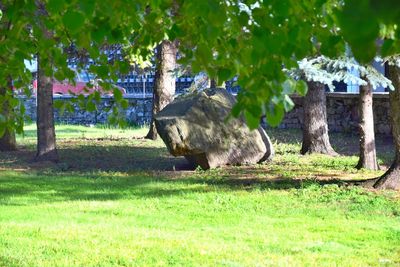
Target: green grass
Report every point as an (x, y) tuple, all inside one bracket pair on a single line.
[(118, 200)]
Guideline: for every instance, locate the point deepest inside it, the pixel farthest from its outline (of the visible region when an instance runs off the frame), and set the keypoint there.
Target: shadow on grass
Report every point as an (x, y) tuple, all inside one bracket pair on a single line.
[(88, 172), (344, 143), (110, 158), (19, 189), (121, 159)]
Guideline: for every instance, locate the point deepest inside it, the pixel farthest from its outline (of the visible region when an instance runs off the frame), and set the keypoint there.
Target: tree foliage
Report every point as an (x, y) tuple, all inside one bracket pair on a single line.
[(343, 69), (363, 22), (251, 39)]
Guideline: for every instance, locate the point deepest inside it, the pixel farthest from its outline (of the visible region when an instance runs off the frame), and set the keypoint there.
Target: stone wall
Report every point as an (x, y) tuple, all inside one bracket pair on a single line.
[(137, 113), (342, 109)]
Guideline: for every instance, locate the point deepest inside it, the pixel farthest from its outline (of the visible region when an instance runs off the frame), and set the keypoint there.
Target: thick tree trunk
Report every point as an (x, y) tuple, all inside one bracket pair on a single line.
[(164, 89), (46, 136), (367, 132), (391, 179), (315, 125), (7, 140)]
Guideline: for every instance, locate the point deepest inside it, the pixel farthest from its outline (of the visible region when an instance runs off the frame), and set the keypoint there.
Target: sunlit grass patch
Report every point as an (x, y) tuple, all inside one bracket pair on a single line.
[(116, 199)]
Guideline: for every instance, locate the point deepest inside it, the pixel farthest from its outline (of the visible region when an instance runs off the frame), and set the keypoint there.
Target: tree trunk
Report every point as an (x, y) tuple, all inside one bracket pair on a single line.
[(391, 179), (164, 89), (213, 83), (7, 141), (46, 136), (367, 132), (315, 126)]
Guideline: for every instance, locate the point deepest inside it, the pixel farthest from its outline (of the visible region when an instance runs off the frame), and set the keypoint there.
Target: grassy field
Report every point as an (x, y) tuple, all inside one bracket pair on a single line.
[(116, 199)]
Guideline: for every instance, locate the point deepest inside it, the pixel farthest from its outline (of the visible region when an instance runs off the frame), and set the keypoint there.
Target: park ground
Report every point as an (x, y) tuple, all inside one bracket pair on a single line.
[(116, 199)]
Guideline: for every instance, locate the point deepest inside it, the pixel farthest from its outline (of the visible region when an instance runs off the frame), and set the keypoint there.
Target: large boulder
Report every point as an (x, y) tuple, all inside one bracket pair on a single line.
[(195, 126)]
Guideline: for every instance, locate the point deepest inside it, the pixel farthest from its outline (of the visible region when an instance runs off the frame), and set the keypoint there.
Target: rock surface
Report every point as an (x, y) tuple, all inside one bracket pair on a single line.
[(195, 126)]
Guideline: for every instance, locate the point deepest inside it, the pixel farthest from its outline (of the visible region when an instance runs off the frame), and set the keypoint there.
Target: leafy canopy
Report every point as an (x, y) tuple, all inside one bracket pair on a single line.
[(252, 39)]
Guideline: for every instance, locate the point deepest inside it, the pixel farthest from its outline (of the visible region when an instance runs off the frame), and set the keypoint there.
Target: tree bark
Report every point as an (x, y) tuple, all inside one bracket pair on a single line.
[(164, 89), (7, 141), (315, 125), (367, 132), (391, 179), (46, 136), (213, 83)]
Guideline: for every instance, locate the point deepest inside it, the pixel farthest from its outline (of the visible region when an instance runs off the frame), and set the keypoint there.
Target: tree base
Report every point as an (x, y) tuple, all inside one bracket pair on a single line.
[(318, 150), (389, 180), (152, 134), (373, 166), (8, 147), (369, 183), (8, 142), (47, 156)]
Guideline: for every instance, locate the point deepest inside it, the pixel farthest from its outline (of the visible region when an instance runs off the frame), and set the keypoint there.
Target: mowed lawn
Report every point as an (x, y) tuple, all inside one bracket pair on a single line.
[(116, 199)]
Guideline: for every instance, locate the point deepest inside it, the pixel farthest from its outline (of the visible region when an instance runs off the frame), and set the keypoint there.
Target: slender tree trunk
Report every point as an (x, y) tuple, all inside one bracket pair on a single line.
[(46, 136), (315, 126), (367, 132), (391, 179), (213, 83), (7, 141), (164, 89)]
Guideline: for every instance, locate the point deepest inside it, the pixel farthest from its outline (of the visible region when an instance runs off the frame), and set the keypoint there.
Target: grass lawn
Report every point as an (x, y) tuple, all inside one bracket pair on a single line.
[(116, 199)]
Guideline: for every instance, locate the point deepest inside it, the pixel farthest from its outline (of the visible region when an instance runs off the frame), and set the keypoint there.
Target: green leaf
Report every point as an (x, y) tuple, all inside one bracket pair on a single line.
[(224, 74), (2, 119), (102, 71), (281, 7), (387, 48), (174, 32), (236, 110), (73, 21), (81, 97), (328, 45), (203, 52), (2, 129), (97, 96), (288, 103), (360, 28), (124, 103), (98, 34), (254, 109), (91, 107), (252, 121), (69, 107), (58, 104), (117, 94), (123, 67), (275, 114), (56, 6), (243, 18), (287, 87), (13, 102), (301, 87), (116, 35), (87, 6)]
